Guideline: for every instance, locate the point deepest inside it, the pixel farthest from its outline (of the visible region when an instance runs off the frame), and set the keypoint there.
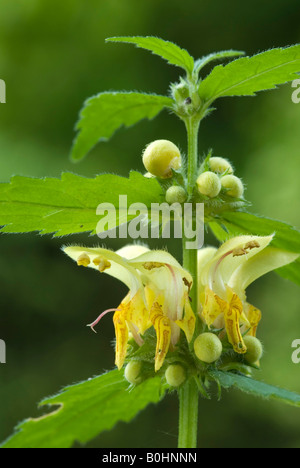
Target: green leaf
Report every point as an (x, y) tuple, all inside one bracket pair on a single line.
[(286, 236), (85, 410), (68, 205), (165, 49), (291, 272), (247, 75), (103, 114), (254, 387), (202, 62)]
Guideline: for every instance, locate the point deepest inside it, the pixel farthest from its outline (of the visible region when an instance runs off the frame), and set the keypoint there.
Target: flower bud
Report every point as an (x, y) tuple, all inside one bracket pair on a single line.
[(175, 375), (180, 91), (254, 349), (132, 372), (176, 195), (208, 348), (234, 185), (220, 165), (209, 184), (160, 157)]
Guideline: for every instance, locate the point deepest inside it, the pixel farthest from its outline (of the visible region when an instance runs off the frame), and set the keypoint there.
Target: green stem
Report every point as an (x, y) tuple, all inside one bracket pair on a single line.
[(192, 127), (188, 394), (188, 415)]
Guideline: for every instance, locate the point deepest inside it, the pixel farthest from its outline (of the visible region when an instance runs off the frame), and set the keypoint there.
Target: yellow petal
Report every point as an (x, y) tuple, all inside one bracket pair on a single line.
[(254, 317), (187, 324), (232, 318), (162, 326), (213, 306), (138, 313), (121, 330)]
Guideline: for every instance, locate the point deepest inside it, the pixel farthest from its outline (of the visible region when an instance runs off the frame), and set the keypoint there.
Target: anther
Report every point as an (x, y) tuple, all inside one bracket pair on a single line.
[(83, 260)]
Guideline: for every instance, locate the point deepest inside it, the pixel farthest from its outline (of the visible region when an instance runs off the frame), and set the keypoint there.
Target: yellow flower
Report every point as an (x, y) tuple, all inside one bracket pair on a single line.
[(225, 273), (158, 295)]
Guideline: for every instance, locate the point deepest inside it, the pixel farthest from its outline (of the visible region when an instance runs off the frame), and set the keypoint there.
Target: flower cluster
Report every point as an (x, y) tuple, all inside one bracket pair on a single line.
[(159, 294)]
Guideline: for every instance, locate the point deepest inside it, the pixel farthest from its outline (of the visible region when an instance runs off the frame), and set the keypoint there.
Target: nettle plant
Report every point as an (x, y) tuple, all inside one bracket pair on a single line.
[(182, 327)]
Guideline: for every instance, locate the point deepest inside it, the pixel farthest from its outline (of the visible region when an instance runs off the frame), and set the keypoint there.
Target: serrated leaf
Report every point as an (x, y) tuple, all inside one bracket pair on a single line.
[(248, 75), (103, 114), (254, 387), (68, 205), (85, 410), (171, 52), (286, 236), (202, 62), (291, 272)]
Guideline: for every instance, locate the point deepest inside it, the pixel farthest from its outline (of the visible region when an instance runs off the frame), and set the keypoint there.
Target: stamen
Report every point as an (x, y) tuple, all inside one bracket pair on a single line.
[(187, 283), (151, 265), (252, 245), (83, 260), (92, 325), (239, 252), (101, 263)]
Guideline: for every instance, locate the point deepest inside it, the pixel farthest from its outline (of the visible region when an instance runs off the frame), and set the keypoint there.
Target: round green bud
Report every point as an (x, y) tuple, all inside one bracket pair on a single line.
[(209, 184), (254, 349), (176, 195), (175, 375), (234, 186), (220, 165), (132, 372), (208, 348), (160, 157)]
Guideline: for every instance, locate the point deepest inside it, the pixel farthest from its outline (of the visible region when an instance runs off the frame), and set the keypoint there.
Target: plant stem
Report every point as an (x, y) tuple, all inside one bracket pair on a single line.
[(188, 394), (192, 127), (188, 415)]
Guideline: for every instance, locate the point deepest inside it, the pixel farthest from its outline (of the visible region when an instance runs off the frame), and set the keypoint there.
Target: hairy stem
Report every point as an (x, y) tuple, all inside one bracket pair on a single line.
[(188, 394), (188, 415), (192, 127)]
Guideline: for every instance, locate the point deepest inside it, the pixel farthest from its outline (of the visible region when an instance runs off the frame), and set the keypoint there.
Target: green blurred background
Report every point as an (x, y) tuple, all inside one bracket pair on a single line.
[(52, 57)]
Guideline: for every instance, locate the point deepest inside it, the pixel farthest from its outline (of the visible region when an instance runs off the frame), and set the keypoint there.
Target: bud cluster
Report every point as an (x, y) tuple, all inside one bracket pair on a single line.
[(219, 178)]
